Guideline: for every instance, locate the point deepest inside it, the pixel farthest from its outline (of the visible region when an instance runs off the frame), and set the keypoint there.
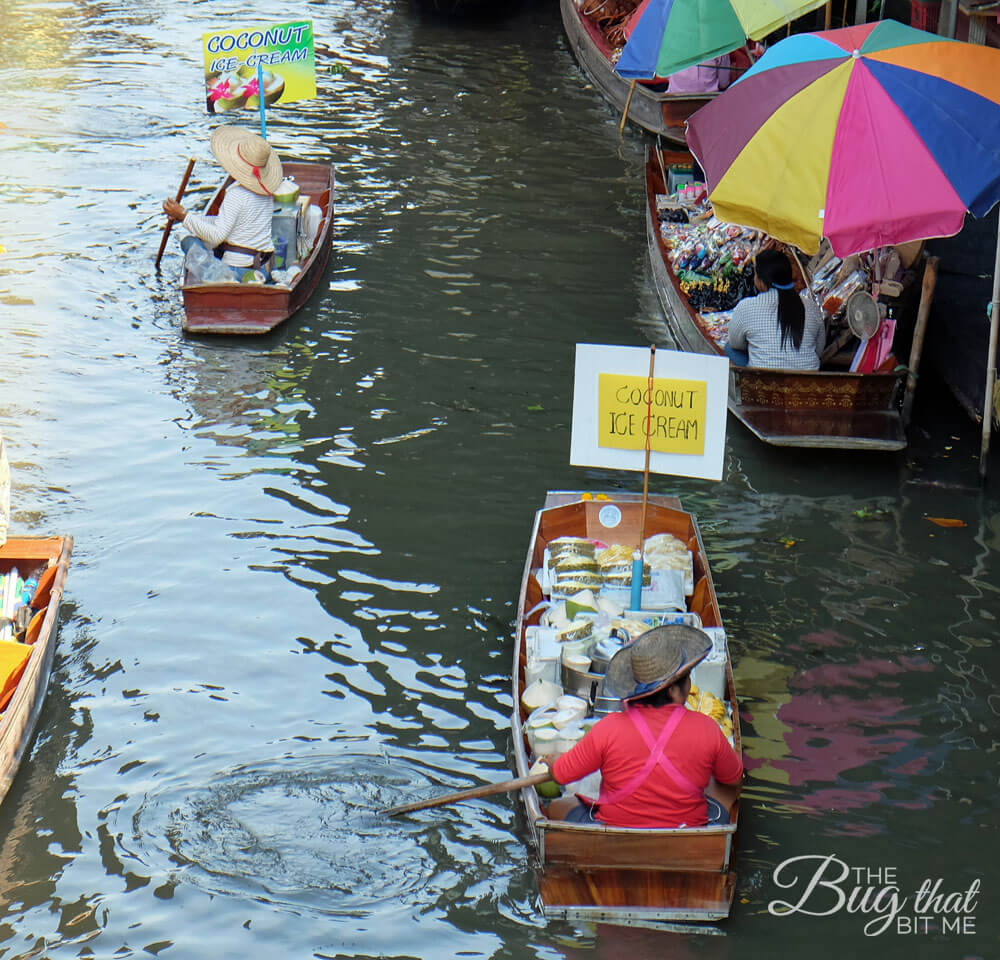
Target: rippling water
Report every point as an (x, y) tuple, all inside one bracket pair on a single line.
[(297, 558)]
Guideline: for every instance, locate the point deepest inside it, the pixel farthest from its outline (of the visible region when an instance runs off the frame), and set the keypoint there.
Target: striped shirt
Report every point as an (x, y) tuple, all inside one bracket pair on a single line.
[(754, 328), (244, 218)]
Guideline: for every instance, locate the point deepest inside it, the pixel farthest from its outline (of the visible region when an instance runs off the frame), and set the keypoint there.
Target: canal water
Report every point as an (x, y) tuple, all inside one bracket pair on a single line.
[(297, 557)]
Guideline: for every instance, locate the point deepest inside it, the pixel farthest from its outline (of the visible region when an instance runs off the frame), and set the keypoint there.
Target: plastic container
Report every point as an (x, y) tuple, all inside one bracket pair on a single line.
[(569, 737), (284, 235), (543, 654), (544, 741), (313, 219)]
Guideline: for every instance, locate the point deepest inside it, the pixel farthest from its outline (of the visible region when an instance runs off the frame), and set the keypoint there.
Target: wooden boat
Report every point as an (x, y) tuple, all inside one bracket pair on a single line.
[(789, 408), (254, 308), (590, 871), (659, 112), (48, 559)]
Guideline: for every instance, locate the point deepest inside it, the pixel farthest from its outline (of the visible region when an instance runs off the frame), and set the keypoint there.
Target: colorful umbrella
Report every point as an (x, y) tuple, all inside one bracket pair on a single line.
[(665, 36), (870, 135)]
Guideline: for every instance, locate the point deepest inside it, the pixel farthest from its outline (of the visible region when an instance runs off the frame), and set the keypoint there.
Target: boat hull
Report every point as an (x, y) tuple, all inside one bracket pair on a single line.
[(237, 308), (658, 113), (18, 721), (594, 872), (785, 408)]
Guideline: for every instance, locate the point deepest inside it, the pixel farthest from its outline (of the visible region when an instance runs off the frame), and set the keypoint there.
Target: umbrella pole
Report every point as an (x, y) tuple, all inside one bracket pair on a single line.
[(829, 15), (991, 363), (628, 101)]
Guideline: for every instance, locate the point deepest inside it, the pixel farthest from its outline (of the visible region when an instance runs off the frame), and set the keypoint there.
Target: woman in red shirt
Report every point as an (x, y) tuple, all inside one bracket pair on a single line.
[(656, 757)]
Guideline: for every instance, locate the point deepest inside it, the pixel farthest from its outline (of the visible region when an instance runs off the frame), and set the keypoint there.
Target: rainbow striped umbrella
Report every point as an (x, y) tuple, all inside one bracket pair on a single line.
[(665, 36), (869, 135)]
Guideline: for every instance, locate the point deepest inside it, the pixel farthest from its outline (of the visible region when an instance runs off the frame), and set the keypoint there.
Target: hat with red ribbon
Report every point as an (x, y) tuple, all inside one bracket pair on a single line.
[(247, 158)]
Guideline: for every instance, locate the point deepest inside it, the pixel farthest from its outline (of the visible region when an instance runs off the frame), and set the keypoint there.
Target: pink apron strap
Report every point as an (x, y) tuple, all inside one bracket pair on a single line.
[(655, 756), (664, 761)]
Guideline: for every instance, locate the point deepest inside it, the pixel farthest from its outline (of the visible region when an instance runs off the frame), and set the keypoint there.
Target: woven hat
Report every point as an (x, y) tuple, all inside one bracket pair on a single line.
[(247, 158), (659, 657)]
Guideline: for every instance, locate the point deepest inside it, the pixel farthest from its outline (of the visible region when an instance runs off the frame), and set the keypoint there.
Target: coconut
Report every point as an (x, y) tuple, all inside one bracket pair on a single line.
[(540, 693)]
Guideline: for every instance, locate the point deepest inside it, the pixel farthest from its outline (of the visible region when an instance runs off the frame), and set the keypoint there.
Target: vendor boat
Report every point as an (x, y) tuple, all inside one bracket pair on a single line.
[(244, 308), (655, 110), (829, 407), (630, 876), (25, 665)]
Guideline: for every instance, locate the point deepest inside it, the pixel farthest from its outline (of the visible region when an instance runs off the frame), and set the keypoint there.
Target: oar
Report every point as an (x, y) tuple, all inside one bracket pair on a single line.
[(484, 791), (170, 223)]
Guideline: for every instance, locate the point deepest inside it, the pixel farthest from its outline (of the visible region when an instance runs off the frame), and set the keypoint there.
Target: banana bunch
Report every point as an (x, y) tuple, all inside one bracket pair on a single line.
[(709, 704)]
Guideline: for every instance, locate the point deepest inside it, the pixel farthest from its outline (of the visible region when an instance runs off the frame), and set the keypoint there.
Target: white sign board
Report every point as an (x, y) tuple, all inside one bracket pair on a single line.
[(685, 411)]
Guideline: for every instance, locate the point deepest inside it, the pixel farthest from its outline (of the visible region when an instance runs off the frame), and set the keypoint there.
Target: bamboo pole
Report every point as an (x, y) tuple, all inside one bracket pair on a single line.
[(645, 469), (991, 363), (919, 329), (628, 101), (170, 223)]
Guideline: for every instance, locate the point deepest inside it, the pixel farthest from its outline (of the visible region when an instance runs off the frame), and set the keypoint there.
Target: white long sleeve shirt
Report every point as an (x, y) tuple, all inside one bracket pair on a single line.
[(244, 218)]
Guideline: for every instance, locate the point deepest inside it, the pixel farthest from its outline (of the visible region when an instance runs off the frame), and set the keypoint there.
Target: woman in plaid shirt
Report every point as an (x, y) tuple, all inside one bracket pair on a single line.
[(778, 328)]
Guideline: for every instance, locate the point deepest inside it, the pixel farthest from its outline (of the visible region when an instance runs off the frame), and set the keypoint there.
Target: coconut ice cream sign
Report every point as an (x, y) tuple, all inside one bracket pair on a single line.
[(677, 409), (283, 51)]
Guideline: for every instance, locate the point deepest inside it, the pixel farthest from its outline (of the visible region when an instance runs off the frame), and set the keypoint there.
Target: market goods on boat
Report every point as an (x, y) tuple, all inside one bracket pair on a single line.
[(302, 231), (703, 267), (562, 648), (595, 32), (32, 575)]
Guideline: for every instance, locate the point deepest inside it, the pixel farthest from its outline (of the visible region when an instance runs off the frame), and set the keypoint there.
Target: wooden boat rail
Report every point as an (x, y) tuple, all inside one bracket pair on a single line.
[(18, 721), (239, 308), (593, 871), (792, 408)]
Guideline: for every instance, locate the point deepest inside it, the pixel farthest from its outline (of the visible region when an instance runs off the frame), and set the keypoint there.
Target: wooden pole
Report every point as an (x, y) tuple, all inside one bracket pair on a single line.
[(486, 790), (628, 100), (919, 329), (828, 16), (991, 364), (170, 223), (645, 469)]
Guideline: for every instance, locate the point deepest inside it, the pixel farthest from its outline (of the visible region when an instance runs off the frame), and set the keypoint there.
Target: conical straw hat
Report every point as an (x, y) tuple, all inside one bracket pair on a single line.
[(659, 657), (247, 158)]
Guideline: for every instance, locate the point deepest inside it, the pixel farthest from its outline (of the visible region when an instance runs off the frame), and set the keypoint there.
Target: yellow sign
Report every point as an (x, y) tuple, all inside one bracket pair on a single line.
[(675, 412)]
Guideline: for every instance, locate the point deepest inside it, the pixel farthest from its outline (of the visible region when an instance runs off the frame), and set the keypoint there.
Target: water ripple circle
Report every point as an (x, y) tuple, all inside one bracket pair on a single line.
[(300, 833)]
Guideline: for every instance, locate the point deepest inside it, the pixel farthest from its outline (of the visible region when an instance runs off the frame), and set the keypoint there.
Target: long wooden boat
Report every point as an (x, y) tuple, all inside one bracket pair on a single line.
[(591, 871), (252, 308), (32, 556), (658, 112), (788, 408)]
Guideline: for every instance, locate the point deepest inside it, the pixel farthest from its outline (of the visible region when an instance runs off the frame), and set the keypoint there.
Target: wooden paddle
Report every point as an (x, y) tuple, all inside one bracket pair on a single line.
[(486, 790), (170, 223)]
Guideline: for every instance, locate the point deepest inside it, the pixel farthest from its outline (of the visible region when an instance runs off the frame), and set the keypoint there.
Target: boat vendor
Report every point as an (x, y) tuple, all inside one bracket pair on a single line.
[(242, 227), (656, 757), (778, 328), (708, 77)]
